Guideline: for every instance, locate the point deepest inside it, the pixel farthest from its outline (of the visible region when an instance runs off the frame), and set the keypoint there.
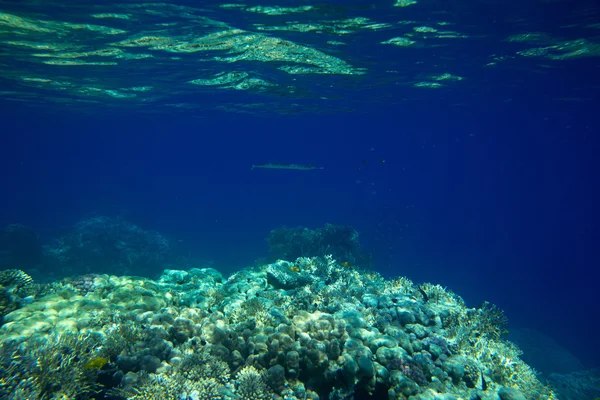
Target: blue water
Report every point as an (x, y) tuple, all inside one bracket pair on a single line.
[(488, 186)]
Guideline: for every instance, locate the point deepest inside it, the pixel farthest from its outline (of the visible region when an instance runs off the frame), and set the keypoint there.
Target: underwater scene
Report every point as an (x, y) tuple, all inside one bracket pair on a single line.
[(300, 200)]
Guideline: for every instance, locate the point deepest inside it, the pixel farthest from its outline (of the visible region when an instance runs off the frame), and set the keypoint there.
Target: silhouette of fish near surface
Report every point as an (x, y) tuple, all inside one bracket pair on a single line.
[(297, 167)]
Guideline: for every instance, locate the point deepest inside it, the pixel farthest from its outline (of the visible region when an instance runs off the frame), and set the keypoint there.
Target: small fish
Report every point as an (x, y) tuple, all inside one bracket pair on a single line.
[(297, 167), (483, 382), (423, 293), (95, 363)]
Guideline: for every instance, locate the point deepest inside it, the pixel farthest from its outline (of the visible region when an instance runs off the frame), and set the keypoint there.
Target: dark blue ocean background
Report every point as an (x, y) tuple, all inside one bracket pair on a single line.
[(489, 188)]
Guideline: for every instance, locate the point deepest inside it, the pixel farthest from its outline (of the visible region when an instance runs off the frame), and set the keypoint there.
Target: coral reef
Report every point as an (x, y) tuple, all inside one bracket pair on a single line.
[(545, 353), (109, 245), (339, 241), (580, 385), (307, 329)]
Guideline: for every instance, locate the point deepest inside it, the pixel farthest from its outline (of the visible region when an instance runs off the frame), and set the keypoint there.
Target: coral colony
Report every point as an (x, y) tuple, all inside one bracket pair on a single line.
[(311, 328), (292, 327)]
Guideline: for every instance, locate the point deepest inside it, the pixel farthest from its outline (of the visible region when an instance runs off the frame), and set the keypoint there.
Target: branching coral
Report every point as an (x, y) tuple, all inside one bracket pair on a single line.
[(465, 325), (164, 386), (250, 385), (440, 295), (401, 285), (476, 335), (492, 320), (215, 298), (200, 364), (49, 370)]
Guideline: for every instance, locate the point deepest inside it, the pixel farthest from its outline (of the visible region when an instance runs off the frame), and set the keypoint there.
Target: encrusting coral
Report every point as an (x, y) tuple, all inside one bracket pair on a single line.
[(336, 333)]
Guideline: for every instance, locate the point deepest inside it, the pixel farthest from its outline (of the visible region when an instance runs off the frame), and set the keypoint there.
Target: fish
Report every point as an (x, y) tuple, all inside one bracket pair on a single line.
[(424, 293), (483, 382), (298, 167)]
